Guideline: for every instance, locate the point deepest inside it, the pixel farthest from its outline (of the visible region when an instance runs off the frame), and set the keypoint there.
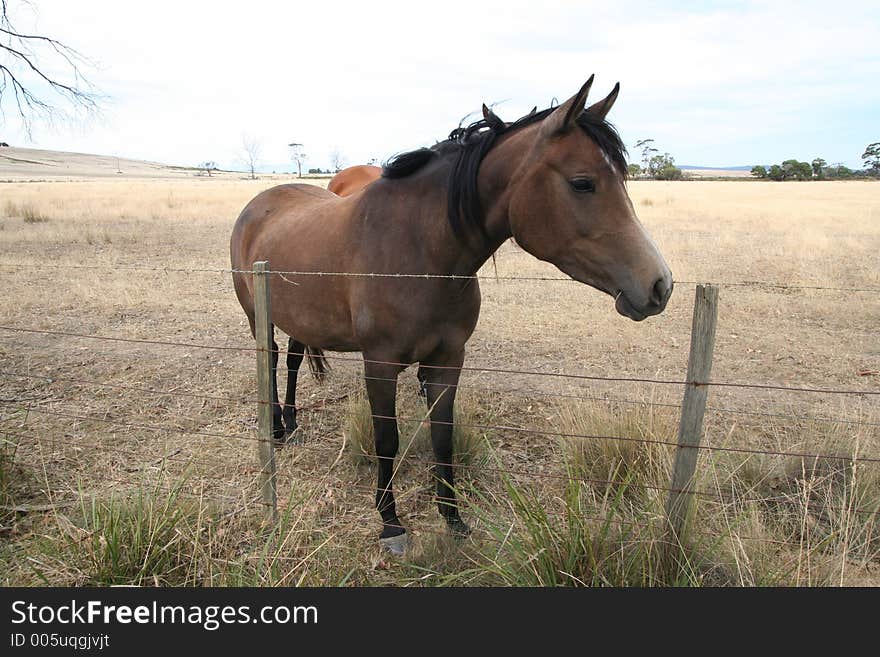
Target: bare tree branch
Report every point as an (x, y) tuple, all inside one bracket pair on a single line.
[(251, 149), (338, 159), (25, 64)]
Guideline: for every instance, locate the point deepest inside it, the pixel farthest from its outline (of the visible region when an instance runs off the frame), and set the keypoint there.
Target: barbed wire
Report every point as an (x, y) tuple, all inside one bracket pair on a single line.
[(52, 378), (469, 368), (707, 494), (416, 489), (405, 493), (485, 427), (414, 275), (402, 494)]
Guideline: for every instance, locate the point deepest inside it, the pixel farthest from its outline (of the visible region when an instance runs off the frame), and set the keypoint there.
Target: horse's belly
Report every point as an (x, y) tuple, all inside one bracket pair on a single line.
[(316, 315)]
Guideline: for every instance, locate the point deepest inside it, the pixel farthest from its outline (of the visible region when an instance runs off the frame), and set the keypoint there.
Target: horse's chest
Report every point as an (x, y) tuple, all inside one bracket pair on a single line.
[(418, 321)]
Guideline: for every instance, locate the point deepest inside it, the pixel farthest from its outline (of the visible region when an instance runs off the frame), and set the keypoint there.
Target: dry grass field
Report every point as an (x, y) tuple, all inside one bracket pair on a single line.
[(131, 462)]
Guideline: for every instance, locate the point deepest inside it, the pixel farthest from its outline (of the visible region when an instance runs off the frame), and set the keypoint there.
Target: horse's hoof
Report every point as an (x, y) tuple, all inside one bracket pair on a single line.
[(396, 545), (458, 528)]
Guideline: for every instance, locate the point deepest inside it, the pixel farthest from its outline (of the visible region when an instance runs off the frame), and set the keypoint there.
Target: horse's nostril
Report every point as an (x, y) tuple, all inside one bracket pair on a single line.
[(659, 292)]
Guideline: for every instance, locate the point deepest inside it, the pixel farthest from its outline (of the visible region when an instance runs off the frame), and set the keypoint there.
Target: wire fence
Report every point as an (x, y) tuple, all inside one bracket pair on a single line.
[(766, 285), (18, 408)]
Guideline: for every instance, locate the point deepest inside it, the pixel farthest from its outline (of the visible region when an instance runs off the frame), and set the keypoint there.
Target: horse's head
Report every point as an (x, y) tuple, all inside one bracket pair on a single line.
[(568, 205)]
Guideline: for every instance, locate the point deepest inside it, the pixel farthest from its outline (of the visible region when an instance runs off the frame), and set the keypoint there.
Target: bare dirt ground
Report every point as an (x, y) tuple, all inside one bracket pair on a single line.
[(103, 439)]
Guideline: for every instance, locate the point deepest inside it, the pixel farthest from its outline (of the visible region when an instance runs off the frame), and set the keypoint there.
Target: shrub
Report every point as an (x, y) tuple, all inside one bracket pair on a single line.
[(669, 172)]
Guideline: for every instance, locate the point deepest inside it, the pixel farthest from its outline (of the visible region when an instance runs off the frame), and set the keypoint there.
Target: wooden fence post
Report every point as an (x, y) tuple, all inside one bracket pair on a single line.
[(265, 440), (690, 428)]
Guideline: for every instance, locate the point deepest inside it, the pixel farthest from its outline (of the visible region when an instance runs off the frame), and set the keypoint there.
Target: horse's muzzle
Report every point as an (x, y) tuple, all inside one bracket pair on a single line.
[(656, 303)]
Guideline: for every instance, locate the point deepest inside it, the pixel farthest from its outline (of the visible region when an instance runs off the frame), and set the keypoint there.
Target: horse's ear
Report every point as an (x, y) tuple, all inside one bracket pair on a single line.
[(563, 117), (602, 108), (492, 118)]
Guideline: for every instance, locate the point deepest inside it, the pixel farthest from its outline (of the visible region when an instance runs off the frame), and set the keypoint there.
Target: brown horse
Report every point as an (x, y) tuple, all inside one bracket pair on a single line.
[(554, 180), (353, 179)]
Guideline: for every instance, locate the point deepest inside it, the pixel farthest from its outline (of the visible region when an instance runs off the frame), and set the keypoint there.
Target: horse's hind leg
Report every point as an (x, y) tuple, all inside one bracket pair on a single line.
[(441, 383), (277, 426), (420, 375), (295, 352)]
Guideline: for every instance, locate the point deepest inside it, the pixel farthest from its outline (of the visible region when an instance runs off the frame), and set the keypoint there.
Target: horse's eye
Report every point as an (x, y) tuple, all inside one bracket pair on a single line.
[(582, 185)]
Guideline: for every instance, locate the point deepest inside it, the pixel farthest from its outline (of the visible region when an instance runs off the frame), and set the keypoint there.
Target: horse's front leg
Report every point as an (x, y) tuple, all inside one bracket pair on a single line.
[(440, 375), (381, 383)]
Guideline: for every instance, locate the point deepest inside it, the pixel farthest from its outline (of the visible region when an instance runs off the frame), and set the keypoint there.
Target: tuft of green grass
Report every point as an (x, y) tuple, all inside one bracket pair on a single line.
[(636, 466), (469, 439), (158, 537), (136, 540), (531, 545)]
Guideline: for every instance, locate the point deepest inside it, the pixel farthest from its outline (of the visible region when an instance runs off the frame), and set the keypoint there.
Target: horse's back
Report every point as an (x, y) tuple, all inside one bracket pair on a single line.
[(353, 179), (296, 228), (275, 211)]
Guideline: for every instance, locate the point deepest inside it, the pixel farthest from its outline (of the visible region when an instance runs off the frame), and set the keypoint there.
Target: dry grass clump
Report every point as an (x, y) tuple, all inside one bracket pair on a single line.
[(773, 520), (10, 479), (154, 536), (820, 515), (28, 212), (633, 467), (468, 436)]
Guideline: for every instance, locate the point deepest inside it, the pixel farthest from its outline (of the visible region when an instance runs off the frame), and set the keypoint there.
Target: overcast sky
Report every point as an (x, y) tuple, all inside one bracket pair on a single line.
[(714, 83)]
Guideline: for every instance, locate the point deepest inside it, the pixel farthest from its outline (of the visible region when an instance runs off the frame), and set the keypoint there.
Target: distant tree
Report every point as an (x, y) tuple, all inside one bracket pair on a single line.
[(251, 149), (662, 167), (776, 173), (207, 167), (794, 170), (819, 167), (647, 148), (838, 172), (633, 170), (372, 161), (871, 156), (40, 75), (669, 172), (298, 157), (759, 171), (337, 159)]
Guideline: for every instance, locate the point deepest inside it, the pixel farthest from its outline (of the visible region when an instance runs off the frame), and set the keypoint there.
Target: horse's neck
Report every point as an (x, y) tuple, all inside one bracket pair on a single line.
[(424, 214)]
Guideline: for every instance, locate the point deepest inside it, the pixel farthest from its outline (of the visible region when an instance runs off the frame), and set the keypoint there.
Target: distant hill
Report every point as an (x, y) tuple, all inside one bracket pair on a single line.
[(22, 164), (688, 167), (694, 171), (34, 163)]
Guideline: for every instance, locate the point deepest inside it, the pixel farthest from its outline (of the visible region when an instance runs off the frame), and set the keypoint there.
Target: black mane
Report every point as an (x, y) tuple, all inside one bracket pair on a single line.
[(469, 145)]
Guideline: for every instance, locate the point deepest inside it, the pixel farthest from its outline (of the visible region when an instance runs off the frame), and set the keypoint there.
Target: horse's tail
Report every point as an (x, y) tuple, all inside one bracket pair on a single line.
[(318, 364)]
